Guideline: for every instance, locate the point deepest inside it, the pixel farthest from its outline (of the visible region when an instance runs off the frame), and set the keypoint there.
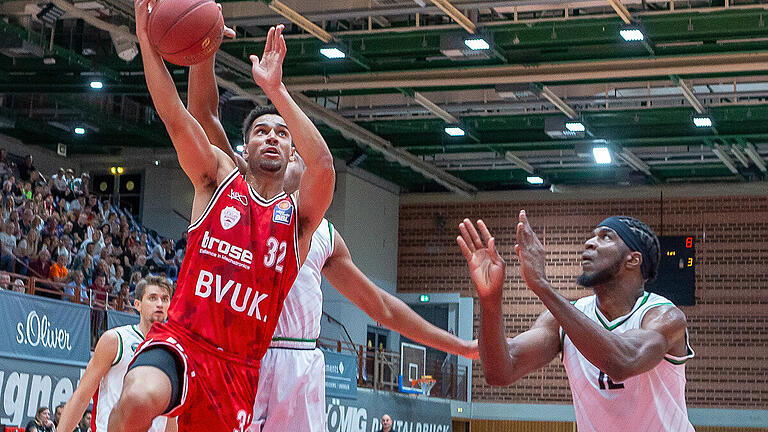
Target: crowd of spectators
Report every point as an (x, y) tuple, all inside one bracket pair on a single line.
[(58, 232)]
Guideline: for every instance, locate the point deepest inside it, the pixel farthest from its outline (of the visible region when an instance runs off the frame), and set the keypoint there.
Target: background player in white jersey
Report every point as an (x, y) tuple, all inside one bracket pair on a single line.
[(110, 360), (623, 348), (291, 391)]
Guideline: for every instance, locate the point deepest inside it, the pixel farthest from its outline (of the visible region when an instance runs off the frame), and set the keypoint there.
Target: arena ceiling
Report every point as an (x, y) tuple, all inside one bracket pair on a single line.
[(408, 75)]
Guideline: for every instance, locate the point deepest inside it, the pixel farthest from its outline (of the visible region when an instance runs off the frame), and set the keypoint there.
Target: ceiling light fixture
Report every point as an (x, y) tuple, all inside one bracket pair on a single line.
[(332, 53), (454, 131), (602, 155), (477, 44), (702, 121), (535, 180), (97, 85), (80, 130)]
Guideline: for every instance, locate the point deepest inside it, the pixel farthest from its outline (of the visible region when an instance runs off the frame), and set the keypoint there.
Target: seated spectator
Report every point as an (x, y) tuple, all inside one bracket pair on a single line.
[(122, 301), (27, 221), (41, 266), (81, 185), (85, 422), (19, 287), (8, 241), (7, 191), (27, 250), (78, 281), (59, 185), (57, 414), (26, 168), (141, 266), (42, 421), (5, 281), (117, 279), (64, 248), (135, 278), (99, 290), (58, 271)]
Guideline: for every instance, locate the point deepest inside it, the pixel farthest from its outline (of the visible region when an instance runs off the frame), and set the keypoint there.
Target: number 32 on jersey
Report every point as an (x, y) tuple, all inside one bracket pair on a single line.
[(275, 254)]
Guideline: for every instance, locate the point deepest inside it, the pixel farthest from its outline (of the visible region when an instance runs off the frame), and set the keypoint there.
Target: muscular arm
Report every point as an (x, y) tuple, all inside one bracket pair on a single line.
[(385, 308), (317, 182), (103, 356), (505, 361), (204, 165), (624, 355), (203, 104)]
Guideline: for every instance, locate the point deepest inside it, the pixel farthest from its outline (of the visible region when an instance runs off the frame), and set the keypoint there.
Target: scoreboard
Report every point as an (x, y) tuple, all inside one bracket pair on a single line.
[(676, 279)]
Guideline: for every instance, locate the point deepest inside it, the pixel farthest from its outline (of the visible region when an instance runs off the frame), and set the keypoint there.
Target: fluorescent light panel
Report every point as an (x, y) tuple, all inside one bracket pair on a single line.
[(332, 53), (97, 85), (632, 34), (575, 126), (80, 131), (454, 131), (477, 44), (536, 180), (602, 155), (702, 121)]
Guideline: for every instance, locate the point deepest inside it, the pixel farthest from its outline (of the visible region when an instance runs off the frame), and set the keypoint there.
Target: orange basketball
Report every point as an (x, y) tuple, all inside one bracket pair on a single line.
[(186, 32)]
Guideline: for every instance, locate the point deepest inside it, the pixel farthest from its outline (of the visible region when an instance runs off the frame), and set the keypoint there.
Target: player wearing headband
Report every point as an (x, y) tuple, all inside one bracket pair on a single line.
[(624, 349)]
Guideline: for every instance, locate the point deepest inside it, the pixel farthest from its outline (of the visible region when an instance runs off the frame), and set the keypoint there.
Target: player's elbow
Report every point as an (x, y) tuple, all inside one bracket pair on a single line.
[(322, 169), (618, 370), (498, 378)]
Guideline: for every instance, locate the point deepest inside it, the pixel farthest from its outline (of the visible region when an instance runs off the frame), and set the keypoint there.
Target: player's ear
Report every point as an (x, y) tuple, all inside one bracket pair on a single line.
[(634, 260), (136, 304), (292, 154), (245, 150)]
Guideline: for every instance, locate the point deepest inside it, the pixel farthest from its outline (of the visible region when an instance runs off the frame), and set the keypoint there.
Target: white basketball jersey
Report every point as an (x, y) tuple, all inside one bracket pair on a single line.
[(653, 401), (129, 337), (303, 307)]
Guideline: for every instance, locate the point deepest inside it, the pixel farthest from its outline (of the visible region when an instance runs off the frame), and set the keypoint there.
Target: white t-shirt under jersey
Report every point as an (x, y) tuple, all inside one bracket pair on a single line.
[(129, 337), (303, 307), (653, 401)]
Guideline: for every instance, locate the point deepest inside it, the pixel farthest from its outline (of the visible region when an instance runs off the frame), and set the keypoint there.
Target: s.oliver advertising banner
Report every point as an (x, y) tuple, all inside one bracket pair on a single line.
[(36, 328), (27, 385), (119, 319), (409, 413), (44, 347)]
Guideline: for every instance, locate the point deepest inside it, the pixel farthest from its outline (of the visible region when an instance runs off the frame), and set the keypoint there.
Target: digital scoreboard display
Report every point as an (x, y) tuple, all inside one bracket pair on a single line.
[(676, 279)]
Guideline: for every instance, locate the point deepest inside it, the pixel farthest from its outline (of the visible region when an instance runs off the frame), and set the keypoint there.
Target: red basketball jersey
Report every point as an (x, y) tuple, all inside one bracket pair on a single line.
[(241, 260)]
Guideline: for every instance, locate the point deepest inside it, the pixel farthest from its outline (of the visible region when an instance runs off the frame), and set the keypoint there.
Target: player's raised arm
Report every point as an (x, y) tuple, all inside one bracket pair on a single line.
[(203, 104), (317, 183), (203, 164), (385, 308), (503, 361)]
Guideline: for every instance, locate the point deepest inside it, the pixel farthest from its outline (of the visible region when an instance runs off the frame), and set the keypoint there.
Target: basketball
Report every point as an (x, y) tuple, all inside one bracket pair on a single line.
[(186, 32)]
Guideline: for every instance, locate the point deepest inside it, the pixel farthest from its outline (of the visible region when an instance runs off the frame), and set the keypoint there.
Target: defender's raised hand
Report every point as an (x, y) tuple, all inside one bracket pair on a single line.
[(531, 254), (268, 71), (486, 267)]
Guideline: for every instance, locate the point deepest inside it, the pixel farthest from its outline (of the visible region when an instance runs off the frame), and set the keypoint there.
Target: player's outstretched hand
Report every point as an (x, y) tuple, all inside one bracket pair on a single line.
[(531, 254), (268, 71), (486, 267)]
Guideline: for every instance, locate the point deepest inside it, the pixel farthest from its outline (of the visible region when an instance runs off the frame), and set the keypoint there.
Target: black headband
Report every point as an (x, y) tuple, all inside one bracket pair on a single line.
[(631, 239)]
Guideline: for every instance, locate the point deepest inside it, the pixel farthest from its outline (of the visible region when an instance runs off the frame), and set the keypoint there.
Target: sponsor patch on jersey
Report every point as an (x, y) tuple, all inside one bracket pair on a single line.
[(229, 217), (283, 212), (134, 346)]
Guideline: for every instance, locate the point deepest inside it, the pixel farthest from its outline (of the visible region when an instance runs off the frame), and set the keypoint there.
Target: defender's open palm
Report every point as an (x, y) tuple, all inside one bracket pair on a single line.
[(531, 254), (268, 71), (486, 267)]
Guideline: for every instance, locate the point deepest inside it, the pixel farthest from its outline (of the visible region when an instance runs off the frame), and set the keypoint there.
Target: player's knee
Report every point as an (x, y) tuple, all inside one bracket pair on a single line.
[(144, 395)]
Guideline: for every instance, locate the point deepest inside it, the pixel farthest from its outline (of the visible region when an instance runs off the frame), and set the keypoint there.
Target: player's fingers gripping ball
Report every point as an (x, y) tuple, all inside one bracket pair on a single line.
[(186, 32)]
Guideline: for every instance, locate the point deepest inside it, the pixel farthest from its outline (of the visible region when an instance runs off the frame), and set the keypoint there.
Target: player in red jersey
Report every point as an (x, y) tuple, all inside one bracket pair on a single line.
[(244, 250)]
